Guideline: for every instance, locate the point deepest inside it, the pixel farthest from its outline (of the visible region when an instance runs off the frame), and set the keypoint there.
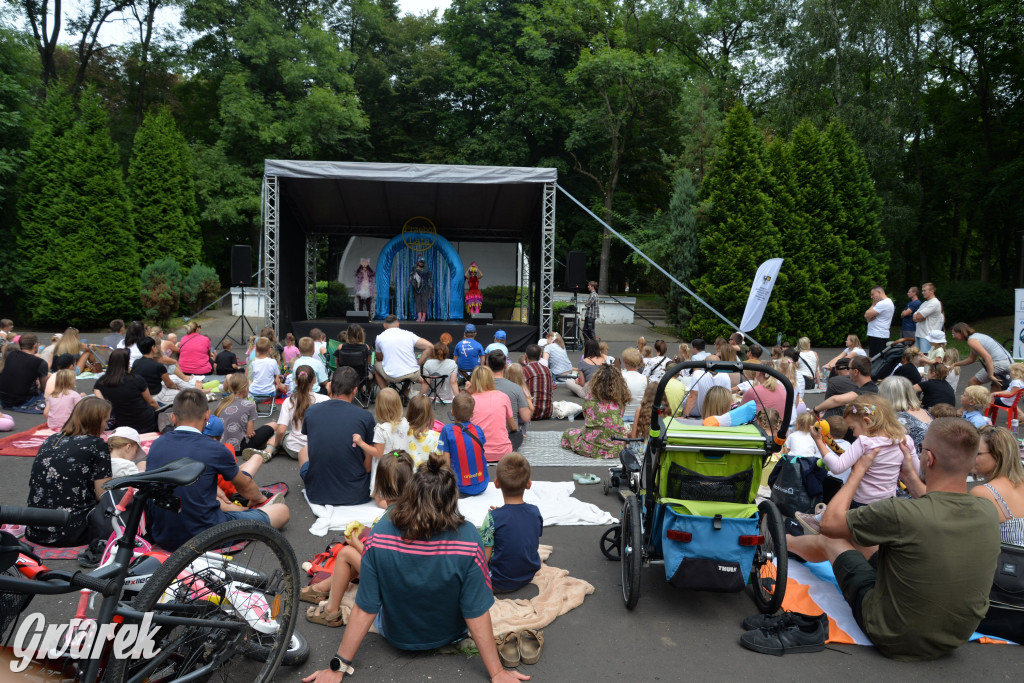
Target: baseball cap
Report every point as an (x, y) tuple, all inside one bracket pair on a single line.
[(128, 433), (843, 364), (470, 327), (214, 427), (936, 337), (500, 334)]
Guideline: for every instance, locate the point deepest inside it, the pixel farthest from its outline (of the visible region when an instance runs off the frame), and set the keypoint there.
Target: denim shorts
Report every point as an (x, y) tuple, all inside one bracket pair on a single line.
[(254, 515)]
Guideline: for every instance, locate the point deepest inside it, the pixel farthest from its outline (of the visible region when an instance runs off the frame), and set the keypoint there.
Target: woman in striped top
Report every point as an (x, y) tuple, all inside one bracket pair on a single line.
[(999, 463)]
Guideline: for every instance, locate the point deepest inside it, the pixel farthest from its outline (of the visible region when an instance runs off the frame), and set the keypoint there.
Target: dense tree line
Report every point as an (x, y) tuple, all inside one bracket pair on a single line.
[(878, 140)]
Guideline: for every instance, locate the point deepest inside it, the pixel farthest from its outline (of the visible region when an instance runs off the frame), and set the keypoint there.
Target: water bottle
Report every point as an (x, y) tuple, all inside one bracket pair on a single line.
[(1015, 428)]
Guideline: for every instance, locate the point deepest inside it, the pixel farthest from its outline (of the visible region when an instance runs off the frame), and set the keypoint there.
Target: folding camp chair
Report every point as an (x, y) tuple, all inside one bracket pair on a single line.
[(101, 352), (367, 390), (332, 362), (264, 404), (434, 384)]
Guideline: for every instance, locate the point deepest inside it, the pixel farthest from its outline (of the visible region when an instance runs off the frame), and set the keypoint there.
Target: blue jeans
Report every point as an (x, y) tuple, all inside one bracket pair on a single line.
[(254, 515), (923, 345), (33, 406)]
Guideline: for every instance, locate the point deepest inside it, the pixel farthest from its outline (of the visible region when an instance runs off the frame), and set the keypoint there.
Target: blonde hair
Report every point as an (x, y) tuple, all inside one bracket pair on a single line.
[(115, 442), (64, 382), (235, 385), (911, 353), (514, 374), (1017, 371), (389, 408), (557, 339), (877, 414), (1005, 450), (803, 344), (716, 402), (948, 358), (804, 422), (631, 358), (977, 396), (482, 379), (768, 381), (642, 419), (856, 340), (420, 415)]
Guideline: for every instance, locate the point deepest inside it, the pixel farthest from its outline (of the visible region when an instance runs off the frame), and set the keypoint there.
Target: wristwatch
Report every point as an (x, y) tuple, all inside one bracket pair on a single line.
[(339, 663)]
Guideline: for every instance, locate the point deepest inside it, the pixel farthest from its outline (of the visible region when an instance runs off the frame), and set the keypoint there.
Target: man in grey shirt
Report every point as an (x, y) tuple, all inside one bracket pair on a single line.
[(515, 393)]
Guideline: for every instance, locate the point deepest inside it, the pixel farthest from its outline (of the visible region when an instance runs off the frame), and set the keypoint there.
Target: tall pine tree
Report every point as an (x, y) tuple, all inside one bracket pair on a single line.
[(160, 178), (740, 232), (98, 275), (684, 254)]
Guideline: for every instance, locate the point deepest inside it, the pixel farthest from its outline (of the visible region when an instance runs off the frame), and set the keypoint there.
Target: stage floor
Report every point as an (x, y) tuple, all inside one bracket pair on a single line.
[(518, 335)]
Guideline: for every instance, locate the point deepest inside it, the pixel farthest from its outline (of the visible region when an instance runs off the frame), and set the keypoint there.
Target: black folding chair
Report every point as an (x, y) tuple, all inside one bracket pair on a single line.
[(434, 384), (367, 389)]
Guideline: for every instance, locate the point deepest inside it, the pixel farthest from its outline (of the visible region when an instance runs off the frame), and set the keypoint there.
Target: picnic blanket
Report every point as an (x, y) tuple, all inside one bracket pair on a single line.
[(811, 588), (557, 594), (554, 498), (26, 444)]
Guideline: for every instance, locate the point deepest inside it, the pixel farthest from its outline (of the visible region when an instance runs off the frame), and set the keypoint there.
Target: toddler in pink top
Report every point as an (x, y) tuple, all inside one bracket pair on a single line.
[(61, 402)]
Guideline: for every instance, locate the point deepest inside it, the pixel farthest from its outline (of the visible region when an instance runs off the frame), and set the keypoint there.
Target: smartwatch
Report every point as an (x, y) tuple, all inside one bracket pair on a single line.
[(339, 663)]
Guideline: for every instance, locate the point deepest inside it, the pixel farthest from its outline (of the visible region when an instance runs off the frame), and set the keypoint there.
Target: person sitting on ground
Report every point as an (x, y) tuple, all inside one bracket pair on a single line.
[(539, 381), (851, 351), (900, 394), (68, 473), (702, 382), (998, 463), (589, 364), (307, 358), (469, 352), (438, 364), (800, 440), (936, 389), (423, 578), (642, 419), (1005, 397), (699, 352), (133, 405), (135, 331), (289, 352), (718, 401), (859, 382), (390, 434), (164, 382), (914, 597), (194, 354), (125, 446), (200, 508), (47, 353), (608, 357), (6, 330), (607, 398), (972, 405), (492, 411), (943, 410), (641, 344), (655, 367), (288, 428), (994, 359), (424, 430), (557, 359), (908, 365), (396, 354), (728, 354), (741, 349), (226, 362), (683, 354), (514, 373), (498, 343), (70, 343), (238, 413), (62, 401), (462, 445), (767, 392), (64, 361), (393, 476), (511, 533), (169, 346), (333, 467), (635, 380), (516, 396)]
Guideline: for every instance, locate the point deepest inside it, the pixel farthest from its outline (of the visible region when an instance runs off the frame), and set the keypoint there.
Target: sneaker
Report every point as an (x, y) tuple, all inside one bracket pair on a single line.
[(91, 556), (810, 523), (271, 499), (757, 621), (781, 639)]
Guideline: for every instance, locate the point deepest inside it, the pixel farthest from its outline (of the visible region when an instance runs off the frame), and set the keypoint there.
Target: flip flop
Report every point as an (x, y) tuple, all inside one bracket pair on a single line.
[(319, 615), (587, 478), (531, 642)]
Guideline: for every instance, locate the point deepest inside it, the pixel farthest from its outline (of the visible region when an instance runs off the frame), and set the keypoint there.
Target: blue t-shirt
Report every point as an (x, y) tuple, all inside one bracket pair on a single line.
[(514, 531), (907, 325), (466, 455), (423, 590), (199, 507), (336, 473), (467, 353), (975, 418)]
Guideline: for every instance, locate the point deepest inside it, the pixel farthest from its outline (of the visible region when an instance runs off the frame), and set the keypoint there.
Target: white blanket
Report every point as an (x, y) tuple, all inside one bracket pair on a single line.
[(554, 498)]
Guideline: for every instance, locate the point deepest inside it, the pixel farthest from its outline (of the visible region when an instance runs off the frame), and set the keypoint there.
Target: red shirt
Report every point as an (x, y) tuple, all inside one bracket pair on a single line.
[(539, 381)]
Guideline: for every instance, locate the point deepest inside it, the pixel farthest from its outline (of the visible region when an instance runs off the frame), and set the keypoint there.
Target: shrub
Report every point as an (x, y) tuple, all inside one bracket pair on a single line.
[(972, 300), (200, 286), (161, 289), (332, 298)]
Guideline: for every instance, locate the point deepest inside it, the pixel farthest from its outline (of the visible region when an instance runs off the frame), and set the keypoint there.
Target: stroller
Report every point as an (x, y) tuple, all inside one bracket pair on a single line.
[(690, 504), (883, 364)]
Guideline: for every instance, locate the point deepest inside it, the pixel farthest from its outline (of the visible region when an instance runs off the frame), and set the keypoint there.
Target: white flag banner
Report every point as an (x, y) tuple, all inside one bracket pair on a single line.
[(760, 292)]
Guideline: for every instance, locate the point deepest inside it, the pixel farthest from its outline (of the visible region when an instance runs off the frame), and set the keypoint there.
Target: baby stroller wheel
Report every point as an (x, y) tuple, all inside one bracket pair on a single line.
[(610, 543), (631, 550), (768, 577)]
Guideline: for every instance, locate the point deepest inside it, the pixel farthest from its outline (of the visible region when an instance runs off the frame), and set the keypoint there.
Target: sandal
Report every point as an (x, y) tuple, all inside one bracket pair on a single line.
[(531, 642), (508, 650), (312, 595), (319, 615), (587, 478)]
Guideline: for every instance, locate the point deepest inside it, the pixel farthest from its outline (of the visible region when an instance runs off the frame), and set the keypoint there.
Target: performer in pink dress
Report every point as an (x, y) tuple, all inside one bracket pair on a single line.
[(474, 298), (366, 288)]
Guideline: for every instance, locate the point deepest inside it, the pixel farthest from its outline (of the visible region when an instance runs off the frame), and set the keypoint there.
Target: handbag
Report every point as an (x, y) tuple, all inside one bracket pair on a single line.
[(796, 484)]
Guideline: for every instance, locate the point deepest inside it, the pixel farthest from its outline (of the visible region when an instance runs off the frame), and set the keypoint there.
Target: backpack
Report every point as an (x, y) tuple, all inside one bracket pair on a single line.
[(322, 565)]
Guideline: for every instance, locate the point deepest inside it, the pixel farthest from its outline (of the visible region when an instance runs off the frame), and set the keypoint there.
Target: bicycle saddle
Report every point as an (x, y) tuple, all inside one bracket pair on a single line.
[(180, 472)]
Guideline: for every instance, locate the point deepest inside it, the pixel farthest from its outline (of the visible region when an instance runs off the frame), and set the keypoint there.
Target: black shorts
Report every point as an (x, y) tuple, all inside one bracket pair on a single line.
[(856, 577)]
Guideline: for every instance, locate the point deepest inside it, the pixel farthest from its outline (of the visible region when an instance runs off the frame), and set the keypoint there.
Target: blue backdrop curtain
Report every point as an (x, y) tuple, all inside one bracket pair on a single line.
[(396, 262)]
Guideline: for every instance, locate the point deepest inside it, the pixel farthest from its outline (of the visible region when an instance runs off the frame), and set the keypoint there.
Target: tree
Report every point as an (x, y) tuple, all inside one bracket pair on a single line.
[(160, 177), (740, 232), (161, 289), (684, 255)]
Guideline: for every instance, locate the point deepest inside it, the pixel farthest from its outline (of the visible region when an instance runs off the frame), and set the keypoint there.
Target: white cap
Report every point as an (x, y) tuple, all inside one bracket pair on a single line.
[(936, 337), (128, 433)]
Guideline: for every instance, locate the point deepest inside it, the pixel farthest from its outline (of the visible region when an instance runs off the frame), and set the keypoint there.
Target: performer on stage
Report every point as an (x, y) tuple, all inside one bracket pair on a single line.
[(593, 311), (422, 282), (366, 287), (474, 298)]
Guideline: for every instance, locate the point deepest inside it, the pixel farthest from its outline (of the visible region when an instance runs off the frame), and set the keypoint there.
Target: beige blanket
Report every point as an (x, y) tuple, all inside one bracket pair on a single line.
[(557, 594)]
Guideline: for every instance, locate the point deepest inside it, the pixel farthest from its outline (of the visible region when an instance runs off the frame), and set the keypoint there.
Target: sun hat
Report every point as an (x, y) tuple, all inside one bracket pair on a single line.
[(128, 433), (936, 337)]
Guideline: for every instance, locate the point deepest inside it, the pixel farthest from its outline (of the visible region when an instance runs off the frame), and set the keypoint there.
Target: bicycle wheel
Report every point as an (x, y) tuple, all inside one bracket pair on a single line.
[(768, 577), (631, 550), (190, 583)]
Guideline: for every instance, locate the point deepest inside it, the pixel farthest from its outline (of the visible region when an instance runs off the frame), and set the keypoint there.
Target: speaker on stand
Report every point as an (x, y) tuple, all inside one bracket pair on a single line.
[(575, 281), (241, 276)]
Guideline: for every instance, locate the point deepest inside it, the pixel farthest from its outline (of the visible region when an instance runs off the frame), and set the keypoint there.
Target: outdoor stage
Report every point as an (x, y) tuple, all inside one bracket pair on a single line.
[(519, 335)]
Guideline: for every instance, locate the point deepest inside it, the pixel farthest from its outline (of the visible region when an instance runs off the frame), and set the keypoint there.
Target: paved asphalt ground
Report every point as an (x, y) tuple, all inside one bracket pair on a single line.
[(671, 635)]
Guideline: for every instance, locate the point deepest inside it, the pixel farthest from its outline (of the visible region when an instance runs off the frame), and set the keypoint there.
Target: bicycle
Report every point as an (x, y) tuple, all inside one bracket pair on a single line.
[(206, 629)]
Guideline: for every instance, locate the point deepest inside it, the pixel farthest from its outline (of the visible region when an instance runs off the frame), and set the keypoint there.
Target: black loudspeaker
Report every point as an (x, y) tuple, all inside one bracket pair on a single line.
[(576, 271), (357, 316), (241, 265), (481, 317)]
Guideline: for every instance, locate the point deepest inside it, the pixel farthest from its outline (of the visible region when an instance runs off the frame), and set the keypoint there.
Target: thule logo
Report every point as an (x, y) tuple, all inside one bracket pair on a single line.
[(723, 568)]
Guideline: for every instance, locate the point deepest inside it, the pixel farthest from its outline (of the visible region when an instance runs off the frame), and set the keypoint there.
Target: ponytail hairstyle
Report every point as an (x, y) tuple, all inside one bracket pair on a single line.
[(233, 385), (394, 470), (302, 397), (429, 505)]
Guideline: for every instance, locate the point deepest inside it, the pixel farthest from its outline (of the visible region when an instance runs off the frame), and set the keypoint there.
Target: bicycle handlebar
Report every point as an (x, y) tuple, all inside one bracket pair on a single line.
[(13, 514)]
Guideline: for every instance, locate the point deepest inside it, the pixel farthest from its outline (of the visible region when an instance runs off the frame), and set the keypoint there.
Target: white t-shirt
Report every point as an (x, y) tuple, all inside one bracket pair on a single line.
[(931, 311), (802, 443), (262, 373), (702, 383), (857, 351), (879, 325), (1014, 385), (637, 384), (497, 346), (123, 467), (393, 438), (295, 440), (399, 349)]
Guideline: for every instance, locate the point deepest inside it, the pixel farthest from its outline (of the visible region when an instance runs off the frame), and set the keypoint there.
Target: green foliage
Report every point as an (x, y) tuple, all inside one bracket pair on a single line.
[(972, 300), (161, 289), (199, 286), (499, 296), (160, 176)]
